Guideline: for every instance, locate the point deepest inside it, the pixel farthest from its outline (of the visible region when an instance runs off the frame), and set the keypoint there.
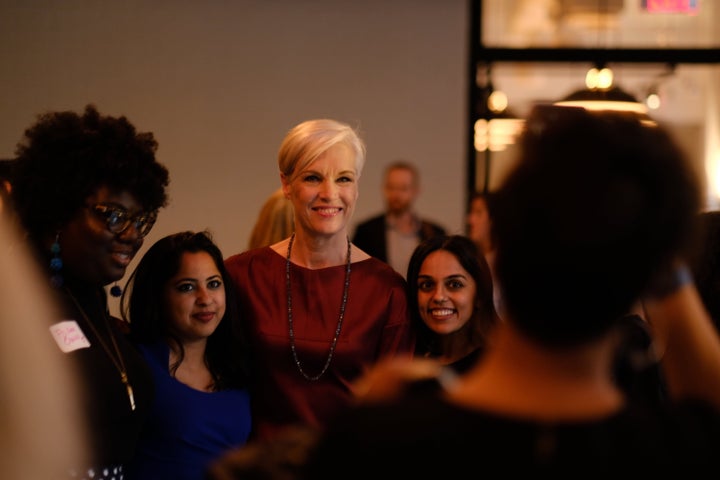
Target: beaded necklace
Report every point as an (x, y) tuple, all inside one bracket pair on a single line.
[(333, 344), (118, 362)]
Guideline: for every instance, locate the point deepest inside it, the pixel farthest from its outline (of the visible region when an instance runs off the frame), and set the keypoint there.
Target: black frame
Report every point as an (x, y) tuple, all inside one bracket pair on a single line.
[(484, 56)]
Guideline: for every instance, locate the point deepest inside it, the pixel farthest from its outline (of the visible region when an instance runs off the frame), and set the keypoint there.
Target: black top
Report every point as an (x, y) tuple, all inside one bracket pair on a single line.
[(370, 235), (113, 426), (424, 436)]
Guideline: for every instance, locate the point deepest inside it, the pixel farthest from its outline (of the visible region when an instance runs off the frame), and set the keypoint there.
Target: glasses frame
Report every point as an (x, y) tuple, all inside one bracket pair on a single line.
[(117, 219)]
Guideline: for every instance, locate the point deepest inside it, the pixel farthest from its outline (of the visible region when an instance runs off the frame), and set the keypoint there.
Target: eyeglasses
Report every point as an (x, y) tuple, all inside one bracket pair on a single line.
[(117, 219)]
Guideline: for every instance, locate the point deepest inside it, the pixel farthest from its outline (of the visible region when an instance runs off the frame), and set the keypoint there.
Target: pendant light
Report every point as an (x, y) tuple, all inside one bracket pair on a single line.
[(601, 94)]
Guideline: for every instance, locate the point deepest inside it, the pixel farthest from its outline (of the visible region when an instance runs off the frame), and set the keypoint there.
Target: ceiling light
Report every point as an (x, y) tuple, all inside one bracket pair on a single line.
[(600, 94)]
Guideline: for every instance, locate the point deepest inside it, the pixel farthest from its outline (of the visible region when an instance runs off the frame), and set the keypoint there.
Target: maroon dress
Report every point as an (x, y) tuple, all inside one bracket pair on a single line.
[(376, 324)]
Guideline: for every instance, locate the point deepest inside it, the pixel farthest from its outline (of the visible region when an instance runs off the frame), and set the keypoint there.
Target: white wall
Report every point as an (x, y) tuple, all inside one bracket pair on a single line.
[(219, 82)]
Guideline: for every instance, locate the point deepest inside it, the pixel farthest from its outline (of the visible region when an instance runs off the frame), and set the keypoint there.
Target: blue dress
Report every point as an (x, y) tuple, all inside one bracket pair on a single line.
[(186, 428)]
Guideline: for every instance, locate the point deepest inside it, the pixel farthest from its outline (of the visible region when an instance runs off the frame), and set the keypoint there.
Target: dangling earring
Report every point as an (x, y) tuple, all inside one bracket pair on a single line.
[(56, 264), (115, 290)]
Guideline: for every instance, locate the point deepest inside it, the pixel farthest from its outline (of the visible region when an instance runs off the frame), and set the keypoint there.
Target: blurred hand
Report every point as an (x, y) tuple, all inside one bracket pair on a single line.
[(388, 378)]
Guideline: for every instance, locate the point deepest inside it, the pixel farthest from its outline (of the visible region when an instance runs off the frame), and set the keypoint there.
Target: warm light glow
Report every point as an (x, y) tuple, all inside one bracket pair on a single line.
[(599, 79), (497, 101), (605, 79), (495, 135), (605, 105), (653, 101), (712, 169), (591, 79)]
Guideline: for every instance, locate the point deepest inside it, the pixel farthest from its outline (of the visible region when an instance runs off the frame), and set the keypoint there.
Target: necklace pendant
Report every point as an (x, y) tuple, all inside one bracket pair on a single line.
[(131, 397), (118, 362), (130, 393)]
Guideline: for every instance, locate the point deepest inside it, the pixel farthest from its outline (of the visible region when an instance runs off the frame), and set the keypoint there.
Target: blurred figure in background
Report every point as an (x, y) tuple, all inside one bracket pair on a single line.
[(479, 223), (578, 243), (42, 432), (275, 221), (183, 316), (479, 230), (705, 263), (393, 235)]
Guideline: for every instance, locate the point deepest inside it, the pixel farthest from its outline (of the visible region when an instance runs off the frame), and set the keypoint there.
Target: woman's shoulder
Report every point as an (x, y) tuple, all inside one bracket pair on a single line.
[(260, 254), (378, 269), (378, 279)]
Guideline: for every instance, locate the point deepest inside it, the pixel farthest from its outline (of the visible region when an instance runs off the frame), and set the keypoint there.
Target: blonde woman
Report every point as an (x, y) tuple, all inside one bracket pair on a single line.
[(320, 310), (275, 221)]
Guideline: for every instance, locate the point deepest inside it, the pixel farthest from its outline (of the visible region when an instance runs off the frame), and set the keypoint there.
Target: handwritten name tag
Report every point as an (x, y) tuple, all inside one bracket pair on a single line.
[(68, 336)]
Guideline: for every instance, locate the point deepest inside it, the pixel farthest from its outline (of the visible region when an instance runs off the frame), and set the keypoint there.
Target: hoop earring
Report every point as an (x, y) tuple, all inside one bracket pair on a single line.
[(56, 263)]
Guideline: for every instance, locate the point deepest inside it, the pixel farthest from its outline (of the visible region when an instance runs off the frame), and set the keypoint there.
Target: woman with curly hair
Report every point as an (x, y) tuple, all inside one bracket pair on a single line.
[(597, 215), (87, 189)]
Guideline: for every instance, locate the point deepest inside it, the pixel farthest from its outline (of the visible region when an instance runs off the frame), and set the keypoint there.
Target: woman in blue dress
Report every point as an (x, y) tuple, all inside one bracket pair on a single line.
[(184, 320)]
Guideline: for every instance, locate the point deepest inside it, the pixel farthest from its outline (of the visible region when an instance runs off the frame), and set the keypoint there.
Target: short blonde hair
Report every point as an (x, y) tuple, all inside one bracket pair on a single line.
[(308, 140)]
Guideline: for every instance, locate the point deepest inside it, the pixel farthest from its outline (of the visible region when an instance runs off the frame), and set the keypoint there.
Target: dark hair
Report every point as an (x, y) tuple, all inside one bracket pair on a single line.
[(474, 263), (142, 306), (7, 169), (705, 262), (597, 204), (489, 198), (65, 157)]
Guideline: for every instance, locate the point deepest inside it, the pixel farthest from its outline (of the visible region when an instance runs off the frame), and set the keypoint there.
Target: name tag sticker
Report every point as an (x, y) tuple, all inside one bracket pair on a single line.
[(68, 336)]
